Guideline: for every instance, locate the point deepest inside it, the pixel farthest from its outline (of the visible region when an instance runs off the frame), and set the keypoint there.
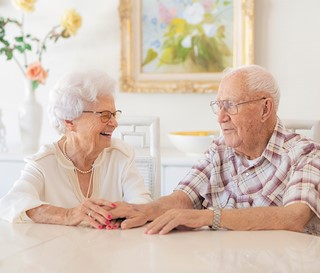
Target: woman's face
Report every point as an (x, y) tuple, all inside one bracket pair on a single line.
[(91, 129)]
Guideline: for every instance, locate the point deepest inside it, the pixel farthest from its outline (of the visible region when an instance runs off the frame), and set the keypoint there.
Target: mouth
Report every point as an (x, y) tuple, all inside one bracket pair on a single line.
[(107, 134), (226, 130)]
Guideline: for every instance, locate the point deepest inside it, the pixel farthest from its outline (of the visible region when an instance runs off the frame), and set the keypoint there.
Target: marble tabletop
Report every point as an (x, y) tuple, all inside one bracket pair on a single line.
[(51, 248)]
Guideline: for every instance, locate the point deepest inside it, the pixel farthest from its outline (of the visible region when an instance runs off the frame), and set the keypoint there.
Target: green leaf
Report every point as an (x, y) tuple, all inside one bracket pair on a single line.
[(5, 42), (19, 48), (35, 85), (2, 33), (2, 22), (27, 46), (9, 54), (151, 55), (167, 56), (19, 39)]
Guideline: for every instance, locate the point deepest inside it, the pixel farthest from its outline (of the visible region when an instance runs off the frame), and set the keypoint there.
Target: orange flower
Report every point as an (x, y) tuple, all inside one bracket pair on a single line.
[(36, 72)]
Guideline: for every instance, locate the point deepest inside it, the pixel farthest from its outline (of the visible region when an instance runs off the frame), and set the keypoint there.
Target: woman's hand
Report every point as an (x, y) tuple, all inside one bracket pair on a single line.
[(93, 211)]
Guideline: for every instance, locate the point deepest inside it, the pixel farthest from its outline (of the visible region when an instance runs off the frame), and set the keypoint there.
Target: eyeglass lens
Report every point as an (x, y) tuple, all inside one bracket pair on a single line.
[(106, 115), (229, 106)]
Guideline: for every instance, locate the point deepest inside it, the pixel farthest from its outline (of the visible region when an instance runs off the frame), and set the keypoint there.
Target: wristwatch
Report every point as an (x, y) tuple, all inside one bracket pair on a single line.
[(216, 219)]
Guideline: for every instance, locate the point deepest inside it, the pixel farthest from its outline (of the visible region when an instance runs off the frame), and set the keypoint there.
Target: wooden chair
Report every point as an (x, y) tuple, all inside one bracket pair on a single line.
[(310, 128), (143, 133)]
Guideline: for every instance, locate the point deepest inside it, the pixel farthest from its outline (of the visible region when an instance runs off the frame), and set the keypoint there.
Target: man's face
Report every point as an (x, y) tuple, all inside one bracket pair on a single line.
[(242, 130)]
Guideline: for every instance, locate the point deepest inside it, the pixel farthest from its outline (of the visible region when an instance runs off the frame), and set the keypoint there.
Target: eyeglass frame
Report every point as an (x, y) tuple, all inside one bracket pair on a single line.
[(114, 114), (219, 102)]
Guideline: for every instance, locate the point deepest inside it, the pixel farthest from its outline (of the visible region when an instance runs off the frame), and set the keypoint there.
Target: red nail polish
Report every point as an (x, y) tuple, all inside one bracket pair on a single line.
[(108, 227), (107, 223), (100, 227), (113, 205), (109, 217)]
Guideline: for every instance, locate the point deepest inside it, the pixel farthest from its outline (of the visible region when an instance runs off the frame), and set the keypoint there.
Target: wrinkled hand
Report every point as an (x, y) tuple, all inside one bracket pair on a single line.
[(177, 218), (93, 211), (131, 215)]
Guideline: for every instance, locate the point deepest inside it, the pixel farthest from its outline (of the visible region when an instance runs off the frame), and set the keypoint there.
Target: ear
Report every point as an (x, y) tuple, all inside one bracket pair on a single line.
[(70, 125), (268, 109)]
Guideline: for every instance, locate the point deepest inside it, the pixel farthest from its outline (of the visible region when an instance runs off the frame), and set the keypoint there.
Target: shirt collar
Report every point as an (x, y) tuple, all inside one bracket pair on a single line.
[(273, 149), (275, 145)]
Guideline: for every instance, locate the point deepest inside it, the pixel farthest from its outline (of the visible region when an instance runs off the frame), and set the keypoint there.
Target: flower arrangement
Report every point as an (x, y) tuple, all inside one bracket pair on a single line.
[(23, 42), (191, 33)]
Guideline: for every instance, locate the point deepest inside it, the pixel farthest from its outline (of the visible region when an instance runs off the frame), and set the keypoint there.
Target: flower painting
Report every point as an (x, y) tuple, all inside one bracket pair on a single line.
[(186, 36), (183, 46)]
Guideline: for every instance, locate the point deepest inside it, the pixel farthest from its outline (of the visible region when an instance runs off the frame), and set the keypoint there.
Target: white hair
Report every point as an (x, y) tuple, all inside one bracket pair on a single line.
[(257, 79), (75, 91)]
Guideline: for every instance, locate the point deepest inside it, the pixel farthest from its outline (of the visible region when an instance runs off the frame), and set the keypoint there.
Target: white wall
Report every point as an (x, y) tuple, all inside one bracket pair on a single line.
[(286, 43)]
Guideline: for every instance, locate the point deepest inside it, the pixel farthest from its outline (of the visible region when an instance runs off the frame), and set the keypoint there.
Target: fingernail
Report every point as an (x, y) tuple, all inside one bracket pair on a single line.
[(109, 217), (115, 226), (113, 205), (100, 227), (107, 223), (108, 227)]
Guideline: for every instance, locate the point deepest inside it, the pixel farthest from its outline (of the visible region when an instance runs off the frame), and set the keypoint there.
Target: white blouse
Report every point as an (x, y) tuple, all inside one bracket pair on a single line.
[(49, 178)]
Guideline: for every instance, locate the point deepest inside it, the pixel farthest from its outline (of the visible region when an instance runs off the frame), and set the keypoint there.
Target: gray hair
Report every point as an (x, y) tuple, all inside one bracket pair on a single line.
[(257, 79), (74, 92)]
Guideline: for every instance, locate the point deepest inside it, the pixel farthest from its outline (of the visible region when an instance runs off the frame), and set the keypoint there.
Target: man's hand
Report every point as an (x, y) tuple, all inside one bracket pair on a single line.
[(134, 215), (174, 218)]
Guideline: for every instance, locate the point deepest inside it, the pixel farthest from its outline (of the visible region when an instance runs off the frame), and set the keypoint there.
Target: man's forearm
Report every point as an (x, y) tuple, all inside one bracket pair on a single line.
[(293, 217), (176, 200)]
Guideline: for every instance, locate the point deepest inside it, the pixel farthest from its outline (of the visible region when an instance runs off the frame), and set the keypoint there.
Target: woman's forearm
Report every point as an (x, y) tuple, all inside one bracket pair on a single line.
[(47, 214)]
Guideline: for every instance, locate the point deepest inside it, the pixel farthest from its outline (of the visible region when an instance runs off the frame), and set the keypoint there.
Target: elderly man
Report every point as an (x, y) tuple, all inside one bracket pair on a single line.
[(256, 176)]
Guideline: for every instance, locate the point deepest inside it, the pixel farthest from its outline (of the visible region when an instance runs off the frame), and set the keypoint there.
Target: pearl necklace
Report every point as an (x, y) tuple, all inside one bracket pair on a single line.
[(68, 158)]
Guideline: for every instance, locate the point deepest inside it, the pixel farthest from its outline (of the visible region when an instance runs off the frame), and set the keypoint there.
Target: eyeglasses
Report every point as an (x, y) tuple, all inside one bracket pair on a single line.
[(229, 106), (105, 116)]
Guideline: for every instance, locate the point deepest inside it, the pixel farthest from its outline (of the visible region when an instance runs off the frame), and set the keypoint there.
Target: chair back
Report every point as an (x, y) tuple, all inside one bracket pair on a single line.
[(310, 128), (143, 133)]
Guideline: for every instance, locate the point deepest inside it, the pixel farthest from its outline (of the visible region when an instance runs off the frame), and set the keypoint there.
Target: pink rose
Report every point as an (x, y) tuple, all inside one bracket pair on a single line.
[(36, 72)]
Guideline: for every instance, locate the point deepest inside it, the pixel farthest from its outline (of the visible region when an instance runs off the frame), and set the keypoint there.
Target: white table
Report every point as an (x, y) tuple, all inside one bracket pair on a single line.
[(48, 248)]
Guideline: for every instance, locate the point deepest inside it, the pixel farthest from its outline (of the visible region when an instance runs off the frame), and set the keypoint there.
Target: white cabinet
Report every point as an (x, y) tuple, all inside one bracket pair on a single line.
[(174, 166), (10, 169)]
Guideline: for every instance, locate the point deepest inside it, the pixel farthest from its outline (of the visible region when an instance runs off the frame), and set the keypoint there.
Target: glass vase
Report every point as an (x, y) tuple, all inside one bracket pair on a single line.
[(30, 120)]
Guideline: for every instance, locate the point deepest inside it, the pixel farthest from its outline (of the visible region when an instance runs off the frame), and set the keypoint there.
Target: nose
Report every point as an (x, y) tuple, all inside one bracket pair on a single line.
[(112, 122), (222, 115)]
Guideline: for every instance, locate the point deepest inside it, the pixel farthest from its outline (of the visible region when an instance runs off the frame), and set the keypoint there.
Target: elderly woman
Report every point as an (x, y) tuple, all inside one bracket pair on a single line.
[(72, 181)]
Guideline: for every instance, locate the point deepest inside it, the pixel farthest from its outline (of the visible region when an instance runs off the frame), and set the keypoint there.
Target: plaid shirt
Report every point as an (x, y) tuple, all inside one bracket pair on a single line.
[(287, 172)]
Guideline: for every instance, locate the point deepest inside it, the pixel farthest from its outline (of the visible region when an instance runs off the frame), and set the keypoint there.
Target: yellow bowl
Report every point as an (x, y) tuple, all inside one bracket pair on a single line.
[(192, 142)]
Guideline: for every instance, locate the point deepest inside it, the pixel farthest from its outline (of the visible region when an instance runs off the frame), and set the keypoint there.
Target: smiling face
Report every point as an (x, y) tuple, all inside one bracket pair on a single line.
[(243, 131), (90, 131)]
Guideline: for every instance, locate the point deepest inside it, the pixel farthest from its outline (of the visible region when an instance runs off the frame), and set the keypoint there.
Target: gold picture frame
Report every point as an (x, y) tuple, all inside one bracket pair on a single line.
[(134, 79)]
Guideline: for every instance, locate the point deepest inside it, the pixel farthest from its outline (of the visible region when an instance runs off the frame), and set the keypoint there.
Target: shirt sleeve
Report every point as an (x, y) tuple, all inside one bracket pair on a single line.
[(24, 195), (195, 183), (304, 184)]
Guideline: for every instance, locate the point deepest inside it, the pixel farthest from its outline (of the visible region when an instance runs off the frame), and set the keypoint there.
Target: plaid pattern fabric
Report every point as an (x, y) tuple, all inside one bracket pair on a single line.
[(288, 171)]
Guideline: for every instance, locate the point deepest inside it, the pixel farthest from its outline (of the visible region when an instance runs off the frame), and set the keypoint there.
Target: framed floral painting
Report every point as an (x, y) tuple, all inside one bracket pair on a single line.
[(183, 45)]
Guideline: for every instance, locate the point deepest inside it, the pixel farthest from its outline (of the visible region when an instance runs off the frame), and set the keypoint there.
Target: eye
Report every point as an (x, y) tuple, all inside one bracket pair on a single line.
[(106, 114), (228, 104)]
